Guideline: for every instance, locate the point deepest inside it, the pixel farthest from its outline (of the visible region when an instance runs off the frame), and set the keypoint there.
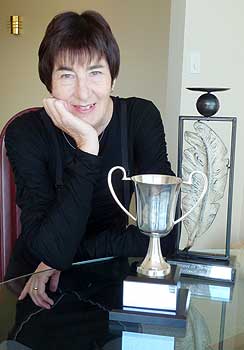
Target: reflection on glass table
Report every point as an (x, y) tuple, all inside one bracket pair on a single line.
[(86, 293)]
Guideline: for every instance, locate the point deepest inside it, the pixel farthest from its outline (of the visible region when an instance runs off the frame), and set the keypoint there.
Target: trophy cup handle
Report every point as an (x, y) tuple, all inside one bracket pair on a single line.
[(112, 189), (189, 182)]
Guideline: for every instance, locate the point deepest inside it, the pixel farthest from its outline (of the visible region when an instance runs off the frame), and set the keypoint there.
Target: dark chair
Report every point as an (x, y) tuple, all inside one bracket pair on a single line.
[(9, 212)]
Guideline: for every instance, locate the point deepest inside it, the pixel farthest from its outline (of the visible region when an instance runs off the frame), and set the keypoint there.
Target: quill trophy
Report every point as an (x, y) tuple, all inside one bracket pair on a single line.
[(200, 146)]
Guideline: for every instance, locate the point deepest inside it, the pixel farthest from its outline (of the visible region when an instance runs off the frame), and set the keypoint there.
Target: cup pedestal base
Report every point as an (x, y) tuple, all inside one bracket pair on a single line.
[(154, 264)]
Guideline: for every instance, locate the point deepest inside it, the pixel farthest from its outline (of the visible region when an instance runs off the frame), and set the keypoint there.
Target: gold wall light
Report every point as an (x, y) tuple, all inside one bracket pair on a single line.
[(15, 25)]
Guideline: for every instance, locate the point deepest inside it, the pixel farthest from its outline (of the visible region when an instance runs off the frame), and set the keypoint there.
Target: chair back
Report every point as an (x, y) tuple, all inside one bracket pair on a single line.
[(9, 212)]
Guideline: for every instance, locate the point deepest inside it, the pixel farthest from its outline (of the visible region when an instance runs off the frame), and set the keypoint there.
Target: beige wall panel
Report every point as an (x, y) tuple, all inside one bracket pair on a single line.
[(140, 26), (215, 29)]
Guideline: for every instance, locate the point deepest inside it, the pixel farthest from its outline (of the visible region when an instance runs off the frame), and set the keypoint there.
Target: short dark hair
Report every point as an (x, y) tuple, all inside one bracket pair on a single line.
[(83, 36)]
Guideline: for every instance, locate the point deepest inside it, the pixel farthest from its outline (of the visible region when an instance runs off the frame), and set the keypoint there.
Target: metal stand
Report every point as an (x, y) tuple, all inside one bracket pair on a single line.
[(219, 267)]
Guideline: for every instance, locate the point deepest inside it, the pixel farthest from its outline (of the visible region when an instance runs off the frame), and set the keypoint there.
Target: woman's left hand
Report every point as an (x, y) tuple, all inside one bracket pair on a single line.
[(36, 285), (84, 134)]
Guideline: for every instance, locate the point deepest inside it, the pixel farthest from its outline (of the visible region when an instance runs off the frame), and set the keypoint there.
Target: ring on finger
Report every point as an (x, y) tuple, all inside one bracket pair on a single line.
[(35, 288)]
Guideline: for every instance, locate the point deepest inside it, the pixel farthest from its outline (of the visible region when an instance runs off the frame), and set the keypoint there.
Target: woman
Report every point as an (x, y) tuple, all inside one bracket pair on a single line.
[(61, 156)]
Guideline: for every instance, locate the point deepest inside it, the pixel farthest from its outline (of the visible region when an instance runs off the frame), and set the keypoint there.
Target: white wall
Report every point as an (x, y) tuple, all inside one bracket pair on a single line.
[(175, 65), (216, 30), (142, 31)]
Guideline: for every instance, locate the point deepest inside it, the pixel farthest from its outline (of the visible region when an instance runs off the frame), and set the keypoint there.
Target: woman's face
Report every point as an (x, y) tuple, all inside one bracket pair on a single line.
[(86, 88)]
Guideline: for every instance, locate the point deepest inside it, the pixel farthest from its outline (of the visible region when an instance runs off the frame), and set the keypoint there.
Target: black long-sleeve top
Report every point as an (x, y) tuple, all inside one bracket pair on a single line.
[(80, 218)]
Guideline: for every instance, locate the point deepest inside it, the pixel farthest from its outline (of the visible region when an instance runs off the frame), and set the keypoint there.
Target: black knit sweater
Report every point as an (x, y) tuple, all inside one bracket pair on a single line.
[(67, 211)]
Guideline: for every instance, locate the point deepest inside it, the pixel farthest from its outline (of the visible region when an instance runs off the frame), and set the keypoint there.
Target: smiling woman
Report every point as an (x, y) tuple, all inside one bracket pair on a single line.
[(86, 90), (60, 167), (81, 38)]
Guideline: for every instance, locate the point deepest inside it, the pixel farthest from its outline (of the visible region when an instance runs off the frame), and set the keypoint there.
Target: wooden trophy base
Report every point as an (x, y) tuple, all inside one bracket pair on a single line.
[(158, 301)]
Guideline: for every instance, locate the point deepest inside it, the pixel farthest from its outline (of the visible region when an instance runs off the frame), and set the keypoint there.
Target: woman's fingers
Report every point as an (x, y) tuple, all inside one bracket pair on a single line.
[(24, 292), (54, 281), (40, 297), (52, 109), (58, 111), (36, 286), (38, 290), (83, 133), (49, 106)]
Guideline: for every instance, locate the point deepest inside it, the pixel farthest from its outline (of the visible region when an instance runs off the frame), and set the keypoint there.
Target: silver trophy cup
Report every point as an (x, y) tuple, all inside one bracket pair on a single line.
[(156, 200)]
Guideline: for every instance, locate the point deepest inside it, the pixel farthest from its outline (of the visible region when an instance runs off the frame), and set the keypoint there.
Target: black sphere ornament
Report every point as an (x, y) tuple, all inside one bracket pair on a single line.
[(207, 104)]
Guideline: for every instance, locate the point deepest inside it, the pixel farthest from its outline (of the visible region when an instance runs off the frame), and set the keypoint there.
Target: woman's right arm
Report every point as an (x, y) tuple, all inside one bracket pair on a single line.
[(53, 225)]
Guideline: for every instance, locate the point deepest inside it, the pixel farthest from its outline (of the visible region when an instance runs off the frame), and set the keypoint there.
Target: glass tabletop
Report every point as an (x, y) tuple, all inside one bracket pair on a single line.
[(79, 318)]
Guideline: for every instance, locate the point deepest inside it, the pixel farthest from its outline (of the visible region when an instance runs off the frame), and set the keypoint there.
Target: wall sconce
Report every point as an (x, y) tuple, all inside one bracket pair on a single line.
[(15, 25)]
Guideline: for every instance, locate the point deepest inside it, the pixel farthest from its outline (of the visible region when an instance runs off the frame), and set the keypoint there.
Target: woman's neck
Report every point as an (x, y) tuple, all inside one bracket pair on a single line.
[(107, 117)]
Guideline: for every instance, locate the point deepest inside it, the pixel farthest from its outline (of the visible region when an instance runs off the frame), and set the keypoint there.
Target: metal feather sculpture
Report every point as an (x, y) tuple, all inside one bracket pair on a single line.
[(206, 153)]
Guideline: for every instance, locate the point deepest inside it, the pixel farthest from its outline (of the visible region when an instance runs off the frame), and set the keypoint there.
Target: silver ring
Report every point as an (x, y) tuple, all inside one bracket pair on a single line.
[(35, 288)]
